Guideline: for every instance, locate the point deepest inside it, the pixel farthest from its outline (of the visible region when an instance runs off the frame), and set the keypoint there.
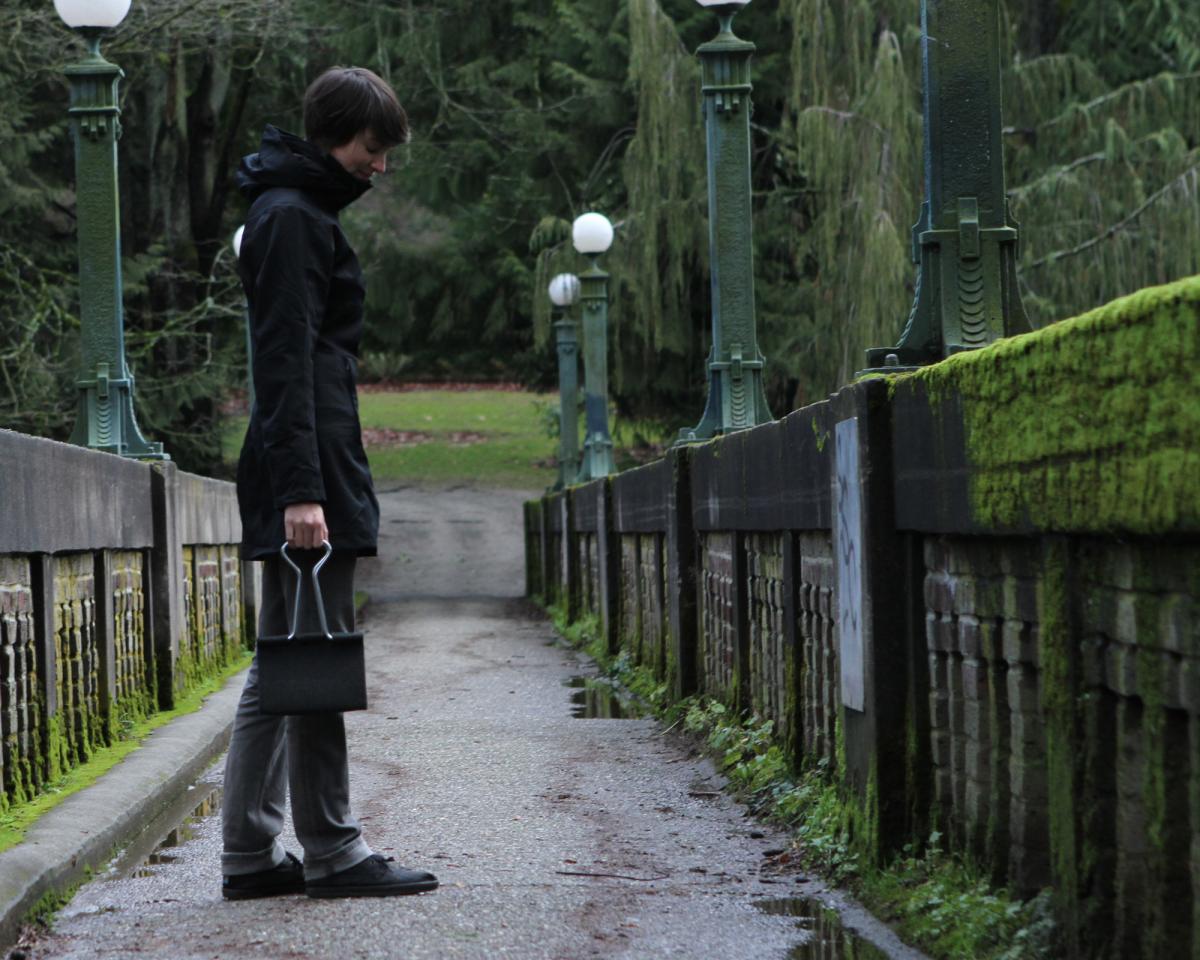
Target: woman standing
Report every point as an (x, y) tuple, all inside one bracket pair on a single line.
[(303, 477)]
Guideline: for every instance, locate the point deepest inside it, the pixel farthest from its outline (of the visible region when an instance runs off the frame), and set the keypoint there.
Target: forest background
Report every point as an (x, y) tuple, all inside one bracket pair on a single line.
[(528, 112)]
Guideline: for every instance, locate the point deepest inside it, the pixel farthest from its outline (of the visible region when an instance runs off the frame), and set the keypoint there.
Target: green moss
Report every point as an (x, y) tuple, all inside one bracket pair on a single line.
[(58, 756), (1058, 702), (193, 669), (1090, 424), (870, 844), (839, 747), (50, 902), (821, 435)]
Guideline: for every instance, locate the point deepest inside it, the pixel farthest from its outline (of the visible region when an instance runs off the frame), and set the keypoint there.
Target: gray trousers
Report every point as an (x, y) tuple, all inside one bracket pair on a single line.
[(306, 755)]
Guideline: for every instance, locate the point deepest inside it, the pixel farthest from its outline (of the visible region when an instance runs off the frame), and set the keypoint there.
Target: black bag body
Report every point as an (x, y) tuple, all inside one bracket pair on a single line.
[(311, 672)]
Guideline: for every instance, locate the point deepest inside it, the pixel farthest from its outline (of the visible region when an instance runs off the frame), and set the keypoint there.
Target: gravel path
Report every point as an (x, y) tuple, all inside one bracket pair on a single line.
[(554, 837)]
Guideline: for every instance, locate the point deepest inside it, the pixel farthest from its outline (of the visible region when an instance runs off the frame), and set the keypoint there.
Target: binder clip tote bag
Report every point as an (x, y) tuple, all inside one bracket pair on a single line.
[(311, 672)]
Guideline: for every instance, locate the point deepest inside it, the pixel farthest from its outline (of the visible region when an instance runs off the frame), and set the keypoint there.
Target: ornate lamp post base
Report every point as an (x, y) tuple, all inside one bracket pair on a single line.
[(105, 419), (965, 242)]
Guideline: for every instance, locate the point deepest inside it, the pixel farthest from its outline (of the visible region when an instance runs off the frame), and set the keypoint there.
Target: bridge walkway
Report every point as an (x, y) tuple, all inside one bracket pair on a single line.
[(555, 838)]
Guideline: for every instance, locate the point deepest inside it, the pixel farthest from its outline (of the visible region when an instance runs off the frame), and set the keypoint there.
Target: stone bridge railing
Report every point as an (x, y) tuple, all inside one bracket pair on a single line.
[(981, 580), (120, 589)]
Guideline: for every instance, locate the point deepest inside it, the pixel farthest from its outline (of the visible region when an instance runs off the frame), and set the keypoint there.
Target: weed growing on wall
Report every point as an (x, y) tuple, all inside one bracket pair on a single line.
[(948, 907)]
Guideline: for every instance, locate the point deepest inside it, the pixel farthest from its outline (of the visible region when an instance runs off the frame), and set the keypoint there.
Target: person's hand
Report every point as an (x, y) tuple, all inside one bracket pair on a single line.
[(304, 525)]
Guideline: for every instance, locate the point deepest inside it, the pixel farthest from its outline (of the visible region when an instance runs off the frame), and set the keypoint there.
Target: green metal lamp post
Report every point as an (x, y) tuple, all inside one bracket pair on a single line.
[(592, 235), (736, 398), (564, 292), (105, 419), (965, 242)]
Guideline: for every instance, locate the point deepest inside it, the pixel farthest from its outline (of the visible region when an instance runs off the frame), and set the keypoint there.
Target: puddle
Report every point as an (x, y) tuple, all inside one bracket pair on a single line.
[(184, 831), (825, 937), (597, 699)]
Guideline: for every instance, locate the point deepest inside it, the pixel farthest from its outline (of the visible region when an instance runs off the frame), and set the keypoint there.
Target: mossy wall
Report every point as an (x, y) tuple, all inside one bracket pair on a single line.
[(1090, 425), (80, 657), (212, 590), (1085, 437), (41, 738)]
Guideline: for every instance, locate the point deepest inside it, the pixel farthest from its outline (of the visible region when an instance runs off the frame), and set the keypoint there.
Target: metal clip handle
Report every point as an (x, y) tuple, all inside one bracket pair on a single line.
[(316, 584)]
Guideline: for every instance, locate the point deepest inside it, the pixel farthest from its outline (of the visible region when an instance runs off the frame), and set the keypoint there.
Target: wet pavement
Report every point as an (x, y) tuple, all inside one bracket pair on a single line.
[(561, 824)]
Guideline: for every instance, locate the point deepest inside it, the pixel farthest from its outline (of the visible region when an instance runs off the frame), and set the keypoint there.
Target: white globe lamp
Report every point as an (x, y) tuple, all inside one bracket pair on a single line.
[(93, 14), (592, 234), (564, 290)]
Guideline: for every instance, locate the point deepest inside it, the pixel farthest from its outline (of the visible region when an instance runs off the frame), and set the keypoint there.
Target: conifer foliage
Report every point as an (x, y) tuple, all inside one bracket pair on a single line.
[(526, 113)]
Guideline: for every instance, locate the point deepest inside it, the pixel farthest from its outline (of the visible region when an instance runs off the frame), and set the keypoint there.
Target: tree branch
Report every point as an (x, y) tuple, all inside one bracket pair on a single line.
[(1116, 227)]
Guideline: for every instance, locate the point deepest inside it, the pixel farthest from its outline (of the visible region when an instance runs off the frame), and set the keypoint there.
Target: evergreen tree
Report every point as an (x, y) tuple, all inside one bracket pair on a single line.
[(528, 112)]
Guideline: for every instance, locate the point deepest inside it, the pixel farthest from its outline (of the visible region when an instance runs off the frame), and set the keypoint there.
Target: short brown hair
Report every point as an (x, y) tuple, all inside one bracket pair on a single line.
[(344, 101)]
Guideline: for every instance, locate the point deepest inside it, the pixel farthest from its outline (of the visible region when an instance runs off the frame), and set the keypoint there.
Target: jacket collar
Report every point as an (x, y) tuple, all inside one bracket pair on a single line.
[(285, 160)]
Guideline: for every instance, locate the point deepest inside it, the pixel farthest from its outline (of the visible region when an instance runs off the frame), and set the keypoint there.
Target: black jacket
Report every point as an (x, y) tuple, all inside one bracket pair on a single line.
[(304, 289)]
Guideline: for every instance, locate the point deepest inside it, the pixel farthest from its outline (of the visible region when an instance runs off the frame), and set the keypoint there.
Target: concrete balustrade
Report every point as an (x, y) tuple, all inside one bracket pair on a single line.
[(120, 589)]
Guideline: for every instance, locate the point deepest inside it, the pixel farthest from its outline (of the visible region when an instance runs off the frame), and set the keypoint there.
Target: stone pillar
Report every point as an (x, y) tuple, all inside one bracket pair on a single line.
[(544, 552), (569, 554), (879, 608), (169, 623), (608, 555), (42, 571), (106, 634), (792, 647)]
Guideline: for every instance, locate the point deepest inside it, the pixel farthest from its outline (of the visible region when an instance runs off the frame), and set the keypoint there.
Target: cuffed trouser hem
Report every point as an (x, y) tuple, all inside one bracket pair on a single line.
[(235, 864), (350, 855)]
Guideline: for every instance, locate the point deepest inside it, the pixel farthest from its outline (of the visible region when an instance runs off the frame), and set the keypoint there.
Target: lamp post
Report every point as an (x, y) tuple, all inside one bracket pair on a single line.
[(564, 292), (592, 235), (236, 243), (736, 398), (965, 243), (105, 419)]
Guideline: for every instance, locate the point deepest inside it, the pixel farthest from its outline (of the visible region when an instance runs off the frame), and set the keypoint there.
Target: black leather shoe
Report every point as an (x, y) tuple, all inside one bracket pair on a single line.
[(373, 877), (286, 878)]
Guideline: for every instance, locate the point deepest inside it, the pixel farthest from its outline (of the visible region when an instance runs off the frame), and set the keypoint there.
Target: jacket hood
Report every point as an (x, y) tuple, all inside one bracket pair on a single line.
[(285, 160)]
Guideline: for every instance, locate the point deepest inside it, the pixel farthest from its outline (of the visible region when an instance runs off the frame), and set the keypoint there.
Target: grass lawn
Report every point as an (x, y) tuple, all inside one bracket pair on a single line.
[(491, 437)]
